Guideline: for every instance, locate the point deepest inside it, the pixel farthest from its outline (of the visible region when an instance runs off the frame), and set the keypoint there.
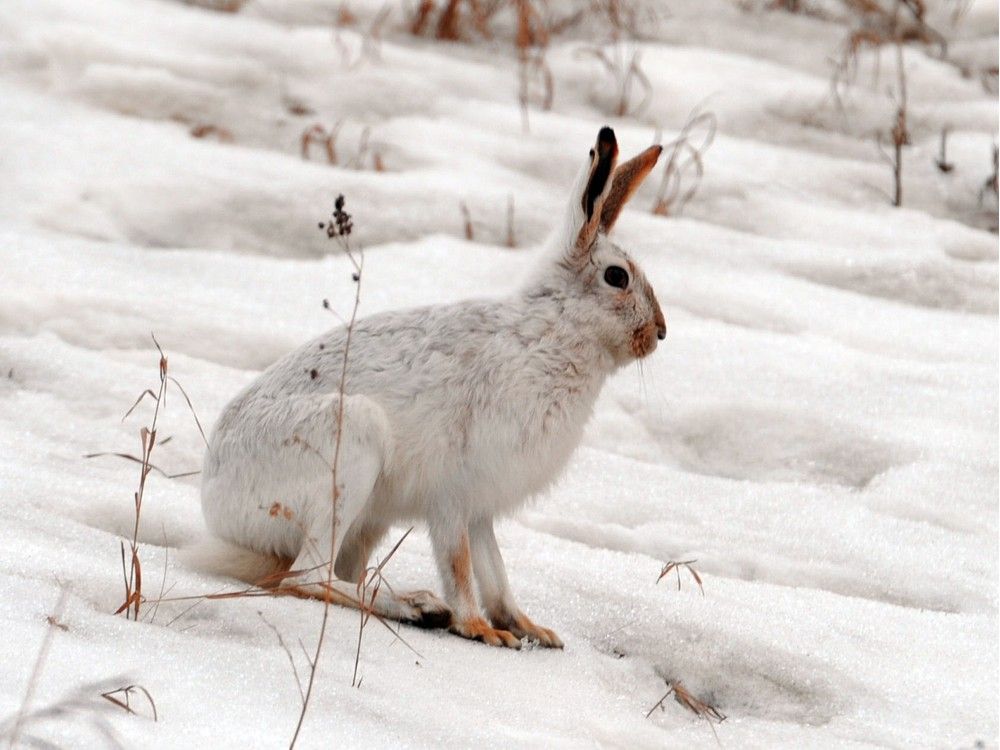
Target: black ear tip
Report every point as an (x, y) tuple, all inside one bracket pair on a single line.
[(607, 137)]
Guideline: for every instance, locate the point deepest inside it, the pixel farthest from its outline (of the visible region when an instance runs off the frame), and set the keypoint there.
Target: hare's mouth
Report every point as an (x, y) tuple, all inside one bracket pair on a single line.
[(644, 340)]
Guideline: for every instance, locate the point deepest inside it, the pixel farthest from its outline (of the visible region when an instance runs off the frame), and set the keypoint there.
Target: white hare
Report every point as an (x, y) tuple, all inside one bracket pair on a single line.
[(451, 414)]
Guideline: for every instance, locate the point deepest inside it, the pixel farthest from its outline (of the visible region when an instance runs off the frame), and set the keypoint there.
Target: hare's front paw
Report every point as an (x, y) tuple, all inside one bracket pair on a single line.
[(477, 629), (423, 609), (521, 625)]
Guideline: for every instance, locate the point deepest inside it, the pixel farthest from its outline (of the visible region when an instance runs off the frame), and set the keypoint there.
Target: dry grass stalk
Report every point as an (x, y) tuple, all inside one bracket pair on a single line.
[(625, 70), (138, 460), (345, 17), (371, 579), (877, 25), (204, 131), (318, 134), (942, 162), (511, 238), (363, 146), (692, 704), (222, 6), (627, 17), (371, 40), (120, 697), (684, 166), (990, 186), (132, 570), (675, 566), (532, 41), (54, 623), (288, 653), (899, 135), (466, 221), (85, 706), (339, 228), (421, 17)]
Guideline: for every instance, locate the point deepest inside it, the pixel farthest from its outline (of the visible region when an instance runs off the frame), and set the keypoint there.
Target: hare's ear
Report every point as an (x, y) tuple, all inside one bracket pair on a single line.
[(589, 193), (628, 177)]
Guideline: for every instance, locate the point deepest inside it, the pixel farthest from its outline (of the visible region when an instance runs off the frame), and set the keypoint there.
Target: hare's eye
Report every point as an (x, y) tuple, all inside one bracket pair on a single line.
[(616, 276)]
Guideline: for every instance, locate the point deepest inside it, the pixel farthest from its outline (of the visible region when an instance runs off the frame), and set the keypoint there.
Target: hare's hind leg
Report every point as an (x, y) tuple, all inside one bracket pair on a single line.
[(342, 526), (269, 486)]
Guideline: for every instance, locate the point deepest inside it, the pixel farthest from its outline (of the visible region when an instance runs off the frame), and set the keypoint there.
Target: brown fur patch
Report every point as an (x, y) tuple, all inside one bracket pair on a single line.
[(644, 339), (461, 566)]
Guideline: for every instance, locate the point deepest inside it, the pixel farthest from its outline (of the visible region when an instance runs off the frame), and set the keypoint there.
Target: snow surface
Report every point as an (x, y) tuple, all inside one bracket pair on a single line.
[(819, 430)]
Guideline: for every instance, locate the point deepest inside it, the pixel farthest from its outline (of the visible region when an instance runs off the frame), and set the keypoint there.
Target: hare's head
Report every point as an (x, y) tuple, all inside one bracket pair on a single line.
[(616, 299)]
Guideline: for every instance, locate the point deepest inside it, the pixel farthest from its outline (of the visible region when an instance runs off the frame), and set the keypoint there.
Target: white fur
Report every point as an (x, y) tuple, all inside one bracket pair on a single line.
[(452, 415)]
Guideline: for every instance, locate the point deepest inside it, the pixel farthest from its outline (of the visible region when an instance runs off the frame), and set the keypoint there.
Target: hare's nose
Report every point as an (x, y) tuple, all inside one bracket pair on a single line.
[(661, 332)]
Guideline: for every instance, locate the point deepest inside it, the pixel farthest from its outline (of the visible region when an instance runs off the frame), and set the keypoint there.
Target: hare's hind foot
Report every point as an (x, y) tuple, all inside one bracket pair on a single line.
[(424, 610), (521, 626), (477, 629)]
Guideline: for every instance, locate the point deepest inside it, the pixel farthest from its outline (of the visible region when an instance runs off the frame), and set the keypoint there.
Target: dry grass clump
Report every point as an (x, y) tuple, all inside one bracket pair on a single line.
[(221, 6), (622, 65), (532, 25), (148, 438), (364, 153), (469, 225), (698, 707), (684, 166), (675, 567)]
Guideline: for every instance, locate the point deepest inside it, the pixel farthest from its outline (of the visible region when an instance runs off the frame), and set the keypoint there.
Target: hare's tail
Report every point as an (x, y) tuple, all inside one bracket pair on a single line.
[(221, 558)]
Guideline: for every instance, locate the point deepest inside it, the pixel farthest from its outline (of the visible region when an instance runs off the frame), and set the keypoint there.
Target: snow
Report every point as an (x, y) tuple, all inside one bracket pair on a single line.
[(819, 430)]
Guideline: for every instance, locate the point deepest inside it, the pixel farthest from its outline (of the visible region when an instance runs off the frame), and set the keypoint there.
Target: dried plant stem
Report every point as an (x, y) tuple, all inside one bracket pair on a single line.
[(36, 672)]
